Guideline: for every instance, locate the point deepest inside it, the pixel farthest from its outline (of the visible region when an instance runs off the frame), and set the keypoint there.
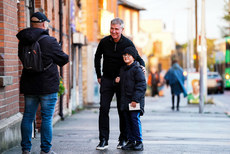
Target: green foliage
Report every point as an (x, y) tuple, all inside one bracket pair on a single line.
[(61, 87), (227, 17), (184, 46), (210, 54)]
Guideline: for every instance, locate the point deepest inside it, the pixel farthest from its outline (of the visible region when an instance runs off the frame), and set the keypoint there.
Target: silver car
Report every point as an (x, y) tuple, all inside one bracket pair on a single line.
[(215, 83)]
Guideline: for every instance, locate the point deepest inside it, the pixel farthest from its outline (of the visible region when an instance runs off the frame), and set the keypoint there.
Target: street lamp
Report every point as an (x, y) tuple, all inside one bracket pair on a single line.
[(203, 60)]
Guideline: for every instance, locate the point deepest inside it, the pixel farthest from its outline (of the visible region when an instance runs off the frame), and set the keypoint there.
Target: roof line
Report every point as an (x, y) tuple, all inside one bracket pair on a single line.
[(130, 5)]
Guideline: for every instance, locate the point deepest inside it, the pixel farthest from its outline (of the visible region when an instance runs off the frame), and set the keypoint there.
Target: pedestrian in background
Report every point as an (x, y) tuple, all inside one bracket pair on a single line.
[(175, 78), (161, 84), (40, 87), (153, 81), (133, 87), (111, 48)]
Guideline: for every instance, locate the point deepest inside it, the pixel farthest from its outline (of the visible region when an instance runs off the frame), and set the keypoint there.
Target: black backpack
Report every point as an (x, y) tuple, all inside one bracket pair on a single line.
[(31, 56)]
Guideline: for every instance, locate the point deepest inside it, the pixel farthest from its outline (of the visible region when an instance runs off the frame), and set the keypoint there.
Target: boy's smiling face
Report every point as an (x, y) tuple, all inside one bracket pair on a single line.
[(128, 59)]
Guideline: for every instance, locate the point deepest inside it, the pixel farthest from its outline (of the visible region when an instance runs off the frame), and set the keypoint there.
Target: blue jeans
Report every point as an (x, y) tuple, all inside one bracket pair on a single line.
[(133, 126), (47, 102)]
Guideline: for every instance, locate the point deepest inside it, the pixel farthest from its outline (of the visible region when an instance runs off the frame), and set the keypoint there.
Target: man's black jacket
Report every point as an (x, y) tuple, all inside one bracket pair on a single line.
[(45, 82), (112, 56)]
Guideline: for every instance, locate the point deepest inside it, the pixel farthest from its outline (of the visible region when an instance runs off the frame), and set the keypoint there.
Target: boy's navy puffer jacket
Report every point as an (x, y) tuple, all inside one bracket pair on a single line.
[(133, 86)]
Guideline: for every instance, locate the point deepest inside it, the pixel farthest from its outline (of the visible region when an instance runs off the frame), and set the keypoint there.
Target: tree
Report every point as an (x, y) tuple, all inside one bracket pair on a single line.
[(210, 54), (225, 31)]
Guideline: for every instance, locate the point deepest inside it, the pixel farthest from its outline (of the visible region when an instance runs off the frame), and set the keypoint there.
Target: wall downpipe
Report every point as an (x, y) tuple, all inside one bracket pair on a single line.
[(60, 42)]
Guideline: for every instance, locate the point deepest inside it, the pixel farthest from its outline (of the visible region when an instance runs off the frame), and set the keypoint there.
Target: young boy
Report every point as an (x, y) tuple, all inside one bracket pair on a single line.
[(133, 87)]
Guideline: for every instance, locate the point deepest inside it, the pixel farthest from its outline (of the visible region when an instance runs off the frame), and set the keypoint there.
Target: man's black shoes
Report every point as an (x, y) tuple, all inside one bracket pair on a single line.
[(102, 145), (138, 146), (129, 146), (121, 144)]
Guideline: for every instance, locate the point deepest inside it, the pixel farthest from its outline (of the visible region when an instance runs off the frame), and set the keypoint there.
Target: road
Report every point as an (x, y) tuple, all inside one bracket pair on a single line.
[(222, 101)]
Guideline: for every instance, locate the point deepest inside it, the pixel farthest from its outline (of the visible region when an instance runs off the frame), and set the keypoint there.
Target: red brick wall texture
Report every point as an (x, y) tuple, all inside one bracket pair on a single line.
[(9, 64)]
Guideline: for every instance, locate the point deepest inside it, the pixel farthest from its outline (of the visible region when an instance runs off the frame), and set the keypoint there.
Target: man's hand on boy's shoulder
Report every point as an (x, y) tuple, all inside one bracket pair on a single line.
[(143, 69)]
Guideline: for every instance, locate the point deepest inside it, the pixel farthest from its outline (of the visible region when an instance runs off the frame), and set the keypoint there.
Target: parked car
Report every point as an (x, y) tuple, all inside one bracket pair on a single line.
[(215, 83)]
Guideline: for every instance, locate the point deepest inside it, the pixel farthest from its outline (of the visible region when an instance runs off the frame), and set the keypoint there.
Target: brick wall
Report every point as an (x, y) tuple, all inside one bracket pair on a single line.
[(21, 25), (9, 96)]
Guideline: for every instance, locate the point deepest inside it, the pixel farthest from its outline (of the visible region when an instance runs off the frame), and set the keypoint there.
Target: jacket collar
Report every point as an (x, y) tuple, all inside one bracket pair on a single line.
[(175, 66), (30, 35), (121, 39), (127, 67)]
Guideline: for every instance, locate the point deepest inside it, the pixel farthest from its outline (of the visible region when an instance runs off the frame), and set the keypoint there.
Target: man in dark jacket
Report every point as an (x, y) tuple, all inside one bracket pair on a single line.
[(111, 47), (40, 87)]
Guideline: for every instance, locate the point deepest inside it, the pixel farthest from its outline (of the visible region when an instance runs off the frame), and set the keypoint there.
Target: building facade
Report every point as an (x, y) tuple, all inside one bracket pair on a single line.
[(160, 44)]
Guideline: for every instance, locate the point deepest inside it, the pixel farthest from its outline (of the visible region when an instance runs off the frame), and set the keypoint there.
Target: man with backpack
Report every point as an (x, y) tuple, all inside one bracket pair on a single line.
[(40, 54)]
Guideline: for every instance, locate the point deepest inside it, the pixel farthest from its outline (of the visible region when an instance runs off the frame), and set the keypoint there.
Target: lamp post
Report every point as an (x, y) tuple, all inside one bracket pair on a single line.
[(202, 62), (196, 42)]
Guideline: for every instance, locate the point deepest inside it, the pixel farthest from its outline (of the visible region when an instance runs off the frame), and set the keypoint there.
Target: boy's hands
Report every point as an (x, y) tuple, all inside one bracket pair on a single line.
[(117, 80), (133, 104)]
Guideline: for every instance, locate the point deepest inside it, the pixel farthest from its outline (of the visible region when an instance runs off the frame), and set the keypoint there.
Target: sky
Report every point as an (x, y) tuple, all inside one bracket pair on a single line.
[(175, 16)]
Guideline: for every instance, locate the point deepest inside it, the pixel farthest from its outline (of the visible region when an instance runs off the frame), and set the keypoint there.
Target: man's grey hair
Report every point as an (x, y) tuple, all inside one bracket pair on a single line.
[(116, 21)]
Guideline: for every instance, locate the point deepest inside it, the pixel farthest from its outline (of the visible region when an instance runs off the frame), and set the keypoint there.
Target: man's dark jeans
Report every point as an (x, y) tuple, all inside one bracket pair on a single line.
[(107, 90)]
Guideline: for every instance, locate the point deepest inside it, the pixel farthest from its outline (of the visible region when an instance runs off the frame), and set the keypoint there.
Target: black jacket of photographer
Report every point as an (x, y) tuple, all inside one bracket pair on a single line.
[(112, 56), (46, 82)]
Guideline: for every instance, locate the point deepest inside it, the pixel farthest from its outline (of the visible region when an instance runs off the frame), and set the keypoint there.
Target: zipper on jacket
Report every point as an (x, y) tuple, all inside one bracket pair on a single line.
[(115, 47)]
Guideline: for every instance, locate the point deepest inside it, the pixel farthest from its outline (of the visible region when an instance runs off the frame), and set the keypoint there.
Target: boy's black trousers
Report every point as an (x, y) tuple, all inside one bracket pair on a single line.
[(107, 90)]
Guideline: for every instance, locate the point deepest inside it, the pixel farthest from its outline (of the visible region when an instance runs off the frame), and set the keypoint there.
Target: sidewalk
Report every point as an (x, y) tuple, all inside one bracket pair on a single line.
[(164, 131)]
